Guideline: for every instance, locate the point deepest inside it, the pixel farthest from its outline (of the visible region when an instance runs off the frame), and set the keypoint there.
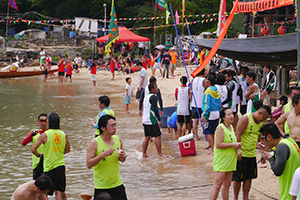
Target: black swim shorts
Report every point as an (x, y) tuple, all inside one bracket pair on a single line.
[(245, 169), (183, 118), (61, 73), (152, 130), (58, 178), (116, 193)]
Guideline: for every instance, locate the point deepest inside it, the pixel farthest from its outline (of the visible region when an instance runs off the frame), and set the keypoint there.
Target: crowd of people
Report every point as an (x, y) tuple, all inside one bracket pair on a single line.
[(232, 111)]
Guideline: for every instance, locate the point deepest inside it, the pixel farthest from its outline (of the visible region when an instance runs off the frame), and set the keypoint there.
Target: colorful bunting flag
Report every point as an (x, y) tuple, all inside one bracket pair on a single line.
[(177, 17), (161, 4), (13, 4)]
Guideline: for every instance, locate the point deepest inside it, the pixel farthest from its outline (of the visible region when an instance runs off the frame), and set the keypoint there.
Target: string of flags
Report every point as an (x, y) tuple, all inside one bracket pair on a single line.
[(48, 23), (277, 23), (19, 20), (120, 19)]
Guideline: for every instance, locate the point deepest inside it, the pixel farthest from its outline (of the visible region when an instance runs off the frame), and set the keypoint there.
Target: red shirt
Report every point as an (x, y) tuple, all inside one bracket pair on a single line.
[(69, 69), (93, 69), (61, 67), (29, 137), (145, 63)]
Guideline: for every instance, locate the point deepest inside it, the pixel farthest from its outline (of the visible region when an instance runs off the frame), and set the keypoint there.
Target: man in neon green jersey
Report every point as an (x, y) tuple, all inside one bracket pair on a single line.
[(104, 102), (104, 154), (247, 132), (56, 144), (37, 163), (286, 160)]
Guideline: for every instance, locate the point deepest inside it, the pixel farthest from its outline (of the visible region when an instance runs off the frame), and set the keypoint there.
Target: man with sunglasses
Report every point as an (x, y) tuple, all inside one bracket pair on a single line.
[(37, 162), (286, 160)]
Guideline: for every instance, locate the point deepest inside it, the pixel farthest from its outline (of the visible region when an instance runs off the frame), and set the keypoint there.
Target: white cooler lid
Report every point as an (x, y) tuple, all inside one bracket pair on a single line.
[(186, 137)]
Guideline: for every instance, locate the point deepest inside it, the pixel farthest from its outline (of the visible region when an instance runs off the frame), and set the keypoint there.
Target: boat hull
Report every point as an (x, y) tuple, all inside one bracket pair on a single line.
[(23, 73)]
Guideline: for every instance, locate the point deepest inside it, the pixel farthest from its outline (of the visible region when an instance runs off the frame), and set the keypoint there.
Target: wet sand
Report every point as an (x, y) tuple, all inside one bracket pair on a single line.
[(264, 187)]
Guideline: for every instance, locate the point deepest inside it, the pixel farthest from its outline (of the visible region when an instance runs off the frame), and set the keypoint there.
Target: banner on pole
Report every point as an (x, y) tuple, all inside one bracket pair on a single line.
[(113, 33)]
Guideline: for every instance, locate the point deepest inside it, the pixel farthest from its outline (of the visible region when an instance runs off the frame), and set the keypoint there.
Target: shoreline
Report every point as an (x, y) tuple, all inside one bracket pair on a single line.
[(167, 87)]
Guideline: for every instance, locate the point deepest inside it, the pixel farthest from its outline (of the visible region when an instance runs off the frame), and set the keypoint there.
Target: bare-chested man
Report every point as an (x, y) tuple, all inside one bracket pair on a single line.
[(289, 106), (292, 118), (100, 54), (35, 189)]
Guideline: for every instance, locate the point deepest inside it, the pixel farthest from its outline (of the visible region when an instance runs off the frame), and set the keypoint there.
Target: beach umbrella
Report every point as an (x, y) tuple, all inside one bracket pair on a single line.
[(160, 46)]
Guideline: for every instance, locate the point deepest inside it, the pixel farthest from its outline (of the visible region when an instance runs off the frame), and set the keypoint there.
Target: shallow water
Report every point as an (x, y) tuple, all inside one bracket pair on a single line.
[(22, 100)]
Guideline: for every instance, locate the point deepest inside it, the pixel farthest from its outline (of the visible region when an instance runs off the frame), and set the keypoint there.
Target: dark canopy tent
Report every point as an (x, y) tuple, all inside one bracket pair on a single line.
[(125, 36), (269, 50)]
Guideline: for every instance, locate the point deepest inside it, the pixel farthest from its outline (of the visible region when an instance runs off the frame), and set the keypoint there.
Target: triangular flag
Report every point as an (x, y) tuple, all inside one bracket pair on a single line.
[(167, 16), (177, 17)]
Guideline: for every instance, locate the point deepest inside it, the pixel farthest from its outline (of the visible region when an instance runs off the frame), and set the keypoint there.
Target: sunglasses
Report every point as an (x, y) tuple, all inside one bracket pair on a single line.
[(264, 137), (43, 120)]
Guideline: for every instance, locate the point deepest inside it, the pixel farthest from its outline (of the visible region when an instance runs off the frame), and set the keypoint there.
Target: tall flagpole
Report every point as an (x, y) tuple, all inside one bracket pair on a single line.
[(7, 22), (154, 36), (7, 18)]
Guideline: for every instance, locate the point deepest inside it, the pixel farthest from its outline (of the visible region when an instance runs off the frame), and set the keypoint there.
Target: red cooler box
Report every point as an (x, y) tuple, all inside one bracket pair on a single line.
[(187, 145)]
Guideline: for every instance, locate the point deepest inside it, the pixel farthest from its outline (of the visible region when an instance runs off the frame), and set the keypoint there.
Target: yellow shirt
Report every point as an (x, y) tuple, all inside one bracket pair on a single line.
[(250, 137)]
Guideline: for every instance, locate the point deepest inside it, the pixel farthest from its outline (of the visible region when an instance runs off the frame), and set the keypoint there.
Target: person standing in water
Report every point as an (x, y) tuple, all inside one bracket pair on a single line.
[(37, 162)]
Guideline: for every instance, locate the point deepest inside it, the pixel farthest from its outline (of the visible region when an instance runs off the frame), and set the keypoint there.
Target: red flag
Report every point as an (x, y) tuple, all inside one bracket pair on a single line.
[(13, 4), (222, 17)]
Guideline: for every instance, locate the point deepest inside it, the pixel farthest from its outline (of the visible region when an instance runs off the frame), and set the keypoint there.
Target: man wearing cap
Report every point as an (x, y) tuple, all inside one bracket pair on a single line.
[(168, 44)]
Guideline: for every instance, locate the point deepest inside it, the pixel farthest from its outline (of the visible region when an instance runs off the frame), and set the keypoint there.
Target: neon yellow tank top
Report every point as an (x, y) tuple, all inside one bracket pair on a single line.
[(225, 159), (287, 108), (36, 160), (54, 149), (285, 180), (250, 137), (106, 172)]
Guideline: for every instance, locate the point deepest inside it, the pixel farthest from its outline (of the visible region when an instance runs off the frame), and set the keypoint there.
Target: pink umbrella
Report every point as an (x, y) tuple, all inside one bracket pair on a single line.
[(160, 46)]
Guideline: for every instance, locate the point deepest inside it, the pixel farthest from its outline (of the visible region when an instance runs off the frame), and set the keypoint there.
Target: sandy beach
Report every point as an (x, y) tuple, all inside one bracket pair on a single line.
[(264, 187)]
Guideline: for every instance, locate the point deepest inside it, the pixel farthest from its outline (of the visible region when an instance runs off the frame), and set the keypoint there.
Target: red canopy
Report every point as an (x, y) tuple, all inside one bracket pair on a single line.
[(125, 36)]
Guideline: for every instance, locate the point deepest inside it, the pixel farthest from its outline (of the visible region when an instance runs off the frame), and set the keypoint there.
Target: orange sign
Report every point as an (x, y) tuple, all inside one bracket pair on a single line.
[(246, 7)]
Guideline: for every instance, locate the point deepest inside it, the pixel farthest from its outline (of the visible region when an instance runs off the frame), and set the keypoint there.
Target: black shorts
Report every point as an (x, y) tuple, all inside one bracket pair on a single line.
[(195, 113), (245, 169), (58, 177), (243, 109), (68, 75), (38, 171), (61, 73), (45, 72), (183, 118), (138, 93), (152, 130), (210, 126), (75, 66), (100, 55), (116, 193)]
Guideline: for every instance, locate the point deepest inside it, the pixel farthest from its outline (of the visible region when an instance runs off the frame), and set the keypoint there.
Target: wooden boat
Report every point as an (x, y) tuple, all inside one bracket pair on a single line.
[(23, 73)]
